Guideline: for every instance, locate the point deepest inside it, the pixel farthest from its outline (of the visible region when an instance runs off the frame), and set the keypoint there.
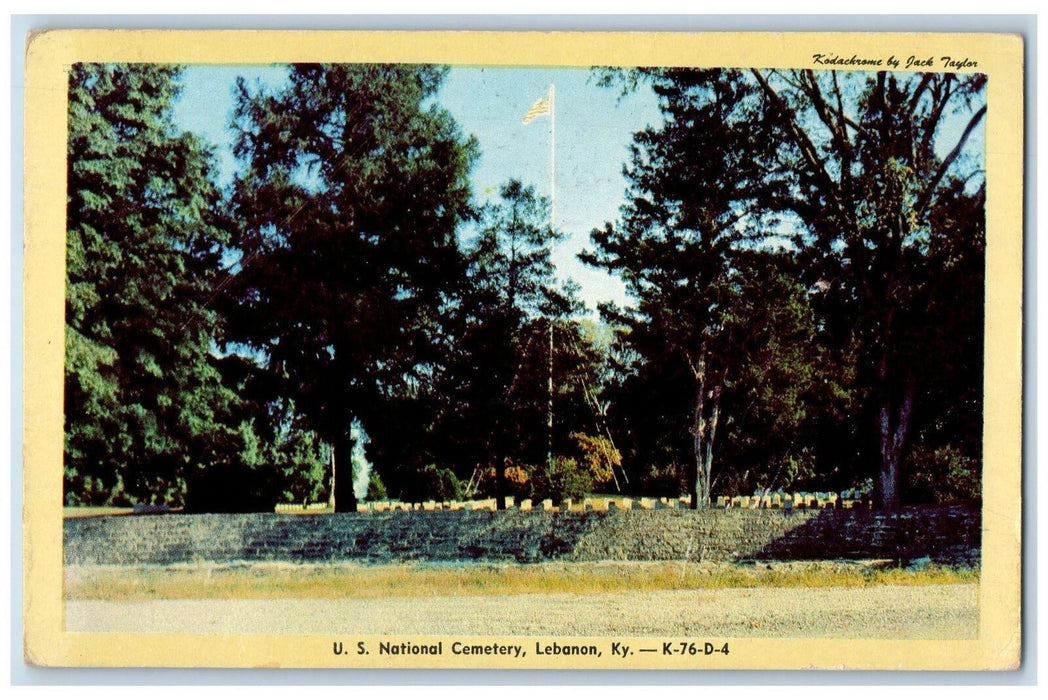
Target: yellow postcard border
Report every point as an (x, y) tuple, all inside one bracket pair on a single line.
[(48, 58)]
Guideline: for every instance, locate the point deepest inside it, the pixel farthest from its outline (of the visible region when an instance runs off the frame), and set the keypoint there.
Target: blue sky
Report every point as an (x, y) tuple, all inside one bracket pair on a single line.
[(593, 130)]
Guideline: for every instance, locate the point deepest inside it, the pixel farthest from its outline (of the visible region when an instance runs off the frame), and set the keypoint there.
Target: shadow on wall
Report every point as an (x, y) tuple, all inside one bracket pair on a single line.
[(943, 534)]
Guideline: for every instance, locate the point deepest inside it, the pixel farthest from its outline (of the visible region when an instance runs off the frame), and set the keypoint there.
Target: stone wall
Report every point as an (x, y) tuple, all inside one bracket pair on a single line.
[(941, 533)]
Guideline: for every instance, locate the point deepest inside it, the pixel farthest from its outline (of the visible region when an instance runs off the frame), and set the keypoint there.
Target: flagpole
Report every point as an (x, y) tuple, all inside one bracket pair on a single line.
[(552, 219), (552, 159)]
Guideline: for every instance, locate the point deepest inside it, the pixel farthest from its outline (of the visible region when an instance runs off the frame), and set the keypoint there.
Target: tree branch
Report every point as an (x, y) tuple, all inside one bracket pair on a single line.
[(915, 98), (807, 148), (926, 198)]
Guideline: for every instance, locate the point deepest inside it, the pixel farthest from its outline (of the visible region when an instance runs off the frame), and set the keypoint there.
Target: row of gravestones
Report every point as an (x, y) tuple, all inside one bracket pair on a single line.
[(788, 501), (777, 500), (490, 504)]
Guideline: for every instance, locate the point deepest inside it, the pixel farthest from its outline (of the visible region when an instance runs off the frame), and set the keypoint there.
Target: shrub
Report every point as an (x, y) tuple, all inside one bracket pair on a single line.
[(598, 455), (941, 475), (376, 489), (566, 479), (433, 483), (302, 462)]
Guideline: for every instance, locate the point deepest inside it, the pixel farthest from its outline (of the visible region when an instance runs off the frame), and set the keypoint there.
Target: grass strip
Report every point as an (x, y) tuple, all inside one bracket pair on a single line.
[(267, 581)]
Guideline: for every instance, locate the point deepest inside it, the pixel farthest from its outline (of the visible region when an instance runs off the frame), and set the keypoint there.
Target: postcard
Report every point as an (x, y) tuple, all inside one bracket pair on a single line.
[(523, 350)]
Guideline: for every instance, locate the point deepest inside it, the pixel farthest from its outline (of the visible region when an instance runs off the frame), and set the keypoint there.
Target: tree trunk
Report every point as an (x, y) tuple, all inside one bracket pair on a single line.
[(345, 498), (703, 432), (500, 484), (893, 427)]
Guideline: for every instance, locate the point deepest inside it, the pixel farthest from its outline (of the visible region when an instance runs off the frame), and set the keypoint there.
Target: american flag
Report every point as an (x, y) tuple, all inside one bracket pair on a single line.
[(541, 106)]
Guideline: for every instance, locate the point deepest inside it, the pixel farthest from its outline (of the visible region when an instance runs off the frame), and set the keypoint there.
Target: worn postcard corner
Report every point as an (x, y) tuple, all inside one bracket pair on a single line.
[(523, 350)]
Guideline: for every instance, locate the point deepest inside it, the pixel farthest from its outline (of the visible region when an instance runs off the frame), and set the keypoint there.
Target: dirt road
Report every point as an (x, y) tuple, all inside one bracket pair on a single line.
[(886, 611)]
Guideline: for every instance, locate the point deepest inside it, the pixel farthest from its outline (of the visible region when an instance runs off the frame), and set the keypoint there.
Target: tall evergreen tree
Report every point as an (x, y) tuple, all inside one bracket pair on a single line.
[(506, 312), (686, 249), (353, 187), (144, 403)]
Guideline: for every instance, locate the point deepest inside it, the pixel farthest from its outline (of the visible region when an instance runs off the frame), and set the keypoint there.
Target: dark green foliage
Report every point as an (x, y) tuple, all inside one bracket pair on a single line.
[(376, 489), (942, 475), (350, 195), (277, 446), (948, 425), (401, 434), (498, 368), (299, 457), (433, 483), (565, 478), (768, 398), (144, 402)]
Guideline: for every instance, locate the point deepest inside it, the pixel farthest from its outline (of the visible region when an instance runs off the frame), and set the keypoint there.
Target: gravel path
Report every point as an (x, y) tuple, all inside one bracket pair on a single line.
[(886, 612)]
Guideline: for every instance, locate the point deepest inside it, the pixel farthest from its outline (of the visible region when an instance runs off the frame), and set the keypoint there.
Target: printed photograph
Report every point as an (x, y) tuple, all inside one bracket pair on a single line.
[(414, 349)]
